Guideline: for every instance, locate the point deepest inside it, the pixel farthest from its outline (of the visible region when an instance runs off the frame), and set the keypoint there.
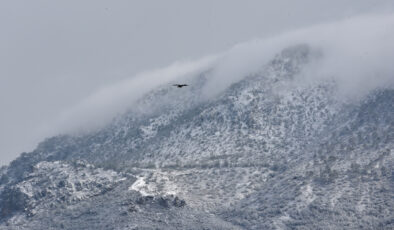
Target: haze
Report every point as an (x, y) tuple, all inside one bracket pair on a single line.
[(58, 55)]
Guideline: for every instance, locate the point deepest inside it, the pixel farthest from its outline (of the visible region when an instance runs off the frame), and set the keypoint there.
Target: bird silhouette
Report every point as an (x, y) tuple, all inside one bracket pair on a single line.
[(180, 85)]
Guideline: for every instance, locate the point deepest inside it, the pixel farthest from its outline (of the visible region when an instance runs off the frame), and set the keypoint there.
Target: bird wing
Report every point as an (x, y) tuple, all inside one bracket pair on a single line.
[(180, 85)]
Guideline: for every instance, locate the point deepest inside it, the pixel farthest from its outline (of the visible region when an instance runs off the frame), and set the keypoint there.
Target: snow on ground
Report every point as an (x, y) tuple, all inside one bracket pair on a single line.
[(202, 188), (307, 195), (61, 182), (140, 186)]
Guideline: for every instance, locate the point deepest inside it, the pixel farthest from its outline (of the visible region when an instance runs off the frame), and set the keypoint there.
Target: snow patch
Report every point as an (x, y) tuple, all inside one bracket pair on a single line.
[(140, 186), (307, 195)]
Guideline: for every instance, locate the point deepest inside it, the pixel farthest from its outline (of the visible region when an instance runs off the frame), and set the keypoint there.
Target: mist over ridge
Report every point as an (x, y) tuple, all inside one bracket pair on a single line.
[(355, 53), (56, 54), (294, 131)]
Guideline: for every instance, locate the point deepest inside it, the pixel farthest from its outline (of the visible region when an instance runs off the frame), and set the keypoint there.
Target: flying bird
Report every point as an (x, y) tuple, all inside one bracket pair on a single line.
[(180, 85)]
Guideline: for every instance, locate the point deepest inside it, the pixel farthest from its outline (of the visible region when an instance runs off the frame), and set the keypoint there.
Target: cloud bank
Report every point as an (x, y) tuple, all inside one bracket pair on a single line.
[(56, 53), (99, 108), (356, 53)]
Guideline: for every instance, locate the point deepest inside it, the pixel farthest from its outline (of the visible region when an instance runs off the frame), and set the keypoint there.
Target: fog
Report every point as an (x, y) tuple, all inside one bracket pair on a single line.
[(63, 63), (99, 108), (356, 53)]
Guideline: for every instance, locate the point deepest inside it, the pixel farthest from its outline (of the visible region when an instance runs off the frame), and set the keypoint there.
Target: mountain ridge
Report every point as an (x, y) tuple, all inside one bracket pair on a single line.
[(268, 153)]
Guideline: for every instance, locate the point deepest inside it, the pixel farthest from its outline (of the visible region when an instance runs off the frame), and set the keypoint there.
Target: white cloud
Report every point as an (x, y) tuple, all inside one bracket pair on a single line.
[(99, 108), (357, 53), (57, 53)]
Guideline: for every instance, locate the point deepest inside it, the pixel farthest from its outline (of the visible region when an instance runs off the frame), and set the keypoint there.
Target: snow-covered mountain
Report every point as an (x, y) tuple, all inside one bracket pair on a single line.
[(266, 153)]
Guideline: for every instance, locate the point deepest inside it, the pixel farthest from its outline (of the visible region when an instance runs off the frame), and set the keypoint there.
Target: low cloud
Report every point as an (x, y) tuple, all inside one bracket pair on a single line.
[(356, 53), (99, 108)]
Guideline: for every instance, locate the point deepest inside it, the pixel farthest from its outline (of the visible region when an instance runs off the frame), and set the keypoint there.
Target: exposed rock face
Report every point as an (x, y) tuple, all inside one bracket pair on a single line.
[(268, 153)]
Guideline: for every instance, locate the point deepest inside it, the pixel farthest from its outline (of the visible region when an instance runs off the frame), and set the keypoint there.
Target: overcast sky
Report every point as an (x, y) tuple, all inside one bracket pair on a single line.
[(54, 54)]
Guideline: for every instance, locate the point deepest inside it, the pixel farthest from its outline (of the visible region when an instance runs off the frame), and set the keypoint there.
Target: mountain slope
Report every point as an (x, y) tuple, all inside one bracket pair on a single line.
[(269, 152)]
